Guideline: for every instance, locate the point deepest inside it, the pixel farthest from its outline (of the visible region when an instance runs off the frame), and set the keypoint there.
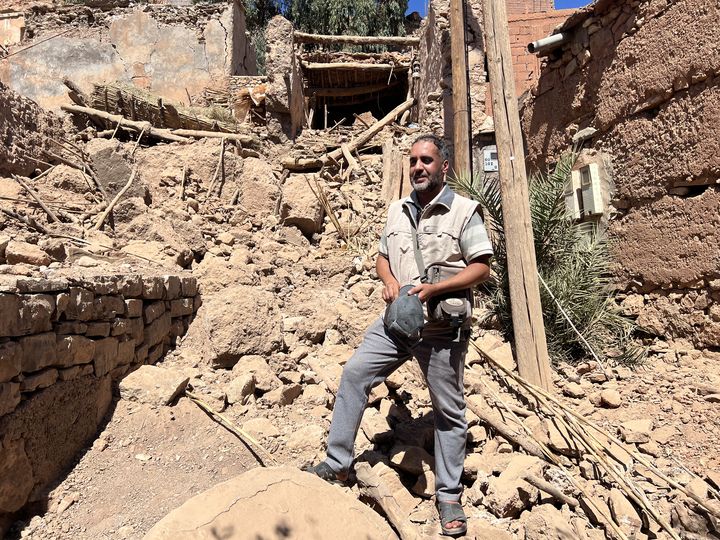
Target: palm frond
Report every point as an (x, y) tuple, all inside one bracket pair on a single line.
[(573, 260)]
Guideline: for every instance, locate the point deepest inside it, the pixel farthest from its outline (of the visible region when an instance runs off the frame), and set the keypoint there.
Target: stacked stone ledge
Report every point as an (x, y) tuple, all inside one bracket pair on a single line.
[(60, 329)]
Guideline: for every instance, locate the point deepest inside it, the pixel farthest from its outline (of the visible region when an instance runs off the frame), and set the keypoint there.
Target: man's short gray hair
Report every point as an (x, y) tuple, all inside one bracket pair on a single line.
[(437, 141)]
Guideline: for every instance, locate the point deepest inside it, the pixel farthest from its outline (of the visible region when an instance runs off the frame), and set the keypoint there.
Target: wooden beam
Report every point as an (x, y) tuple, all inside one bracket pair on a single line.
[(362, 66), (529, 330), (351, 91), (299, 164), (302, 37), (462, 162)]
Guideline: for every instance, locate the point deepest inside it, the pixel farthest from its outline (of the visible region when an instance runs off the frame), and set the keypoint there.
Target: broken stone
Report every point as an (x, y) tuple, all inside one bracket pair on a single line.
[(545, 522), (9, 397), (501, 350), (411, 459), (508, 494), (283, 395), (39, 380), (255, 365), (636, 431), (610, 398), (624, 513), (395, 487), (375, 426), (574, 390), (18, 252), (261, 428), (307, 437), (425, 485), (240, 388), (10, 360), (264, 499), (300, 207), (153, 385)]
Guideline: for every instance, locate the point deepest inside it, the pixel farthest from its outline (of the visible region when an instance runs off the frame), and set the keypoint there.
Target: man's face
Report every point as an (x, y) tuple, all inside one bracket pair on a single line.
[(427, 168)]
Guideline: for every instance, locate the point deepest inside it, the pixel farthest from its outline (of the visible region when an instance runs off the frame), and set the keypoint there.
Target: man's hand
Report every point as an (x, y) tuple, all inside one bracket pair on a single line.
[(425, 291), (390, 291)]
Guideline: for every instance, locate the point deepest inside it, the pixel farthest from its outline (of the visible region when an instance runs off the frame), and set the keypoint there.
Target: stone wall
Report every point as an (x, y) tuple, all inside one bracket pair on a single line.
[(63, 341), (170, 51), (640, 82)]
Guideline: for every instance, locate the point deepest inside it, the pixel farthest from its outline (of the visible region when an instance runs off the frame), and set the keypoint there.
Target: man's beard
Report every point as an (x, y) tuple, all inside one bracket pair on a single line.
[(427, 183)]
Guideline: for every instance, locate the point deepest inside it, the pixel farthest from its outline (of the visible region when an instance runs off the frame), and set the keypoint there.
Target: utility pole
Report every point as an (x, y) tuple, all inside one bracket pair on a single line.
[(529, 330), (462, 162)]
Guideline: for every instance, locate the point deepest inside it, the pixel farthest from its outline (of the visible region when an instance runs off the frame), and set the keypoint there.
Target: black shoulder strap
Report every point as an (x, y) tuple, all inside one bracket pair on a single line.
[(416, 247)]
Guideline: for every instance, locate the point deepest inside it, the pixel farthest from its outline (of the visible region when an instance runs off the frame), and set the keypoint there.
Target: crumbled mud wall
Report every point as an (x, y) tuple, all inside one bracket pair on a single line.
[(173, 52), (645, 76), (434, 92), (63, 341), (24, 132)]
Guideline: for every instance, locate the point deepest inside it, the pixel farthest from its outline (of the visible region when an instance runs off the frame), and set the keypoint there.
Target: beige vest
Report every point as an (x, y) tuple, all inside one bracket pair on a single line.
[(438, 233)]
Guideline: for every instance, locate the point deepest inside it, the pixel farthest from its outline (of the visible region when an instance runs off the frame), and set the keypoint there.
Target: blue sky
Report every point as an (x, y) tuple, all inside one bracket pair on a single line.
[(421, 5)]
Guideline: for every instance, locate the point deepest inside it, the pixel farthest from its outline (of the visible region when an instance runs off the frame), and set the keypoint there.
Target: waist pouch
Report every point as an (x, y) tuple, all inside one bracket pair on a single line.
[(454, 307)]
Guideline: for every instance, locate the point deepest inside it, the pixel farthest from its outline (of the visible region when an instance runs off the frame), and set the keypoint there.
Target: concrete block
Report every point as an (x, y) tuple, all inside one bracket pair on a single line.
[(38, 351)]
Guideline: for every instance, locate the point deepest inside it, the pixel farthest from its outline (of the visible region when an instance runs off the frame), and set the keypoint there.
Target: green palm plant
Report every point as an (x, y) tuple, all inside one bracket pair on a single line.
[(573, 263)]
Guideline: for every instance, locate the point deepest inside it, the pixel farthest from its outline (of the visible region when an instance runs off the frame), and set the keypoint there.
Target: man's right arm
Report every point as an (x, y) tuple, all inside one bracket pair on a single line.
[(392, 287)]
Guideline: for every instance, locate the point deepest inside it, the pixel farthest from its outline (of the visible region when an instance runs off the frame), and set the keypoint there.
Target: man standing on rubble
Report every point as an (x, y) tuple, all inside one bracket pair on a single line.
[(433, 250)]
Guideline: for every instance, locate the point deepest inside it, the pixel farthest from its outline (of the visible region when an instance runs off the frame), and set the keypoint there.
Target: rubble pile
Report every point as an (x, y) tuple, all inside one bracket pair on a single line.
[(284, 267)]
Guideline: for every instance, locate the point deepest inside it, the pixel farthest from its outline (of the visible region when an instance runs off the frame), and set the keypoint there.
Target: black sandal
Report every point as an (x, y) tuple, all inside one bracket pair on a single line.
[(449, 512), (324, 471)]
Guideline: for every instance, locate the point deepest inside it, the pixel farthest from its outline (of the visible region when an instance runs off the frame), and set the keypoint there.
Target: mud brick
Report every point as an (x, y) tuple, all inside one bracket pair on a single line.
[(108, 307), (9, 397), (98, 329), (153, 311), (126, 352), (10, 360), (38, 351), (133, 307), (153, 288), (173, 287), (105, 355), (188, 286), (73, 350), (157, 330), (39, 380), (181, 307), (130, 286), (81, 305)]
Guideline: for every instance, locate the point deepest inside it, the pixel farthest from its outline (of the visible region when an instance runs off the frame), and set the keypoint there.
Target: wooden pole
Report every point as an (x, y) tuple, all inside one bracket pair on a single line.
[(529, 330), (462, 163)]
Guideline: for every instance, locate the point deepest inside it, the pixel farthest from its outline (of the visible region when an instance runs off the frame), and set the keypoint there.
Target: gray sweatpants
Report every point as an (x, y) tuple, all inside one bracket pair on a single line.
[(381, 353)]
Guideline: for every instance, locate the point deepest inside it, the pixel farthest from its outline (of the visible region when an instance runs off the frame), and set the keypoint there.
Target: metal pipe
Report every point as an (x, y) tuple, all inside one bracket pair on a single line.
[(545, 45)]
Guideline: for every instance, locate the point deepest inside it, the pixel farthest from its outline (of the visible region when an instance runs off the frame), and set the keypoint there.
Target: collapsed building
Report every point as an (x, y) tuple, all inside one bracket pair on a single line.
[(211, 231)]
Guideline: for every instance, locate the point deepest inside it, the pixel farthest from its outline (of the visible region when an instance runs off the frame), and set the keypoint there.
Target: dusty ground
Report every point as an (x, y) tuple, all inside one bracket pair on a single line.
[(284, 306)]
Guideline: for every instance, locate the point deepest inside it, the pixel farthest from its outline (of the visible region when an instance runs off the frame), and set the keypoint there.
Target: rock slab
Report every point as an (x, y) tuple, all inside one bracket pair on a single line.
[(264, 501)]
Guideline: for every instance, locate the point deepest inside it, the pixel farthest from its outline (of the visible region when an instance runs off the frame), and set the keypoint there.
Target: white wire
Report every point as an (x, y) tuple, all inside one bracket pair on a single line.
[(567, 318)]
